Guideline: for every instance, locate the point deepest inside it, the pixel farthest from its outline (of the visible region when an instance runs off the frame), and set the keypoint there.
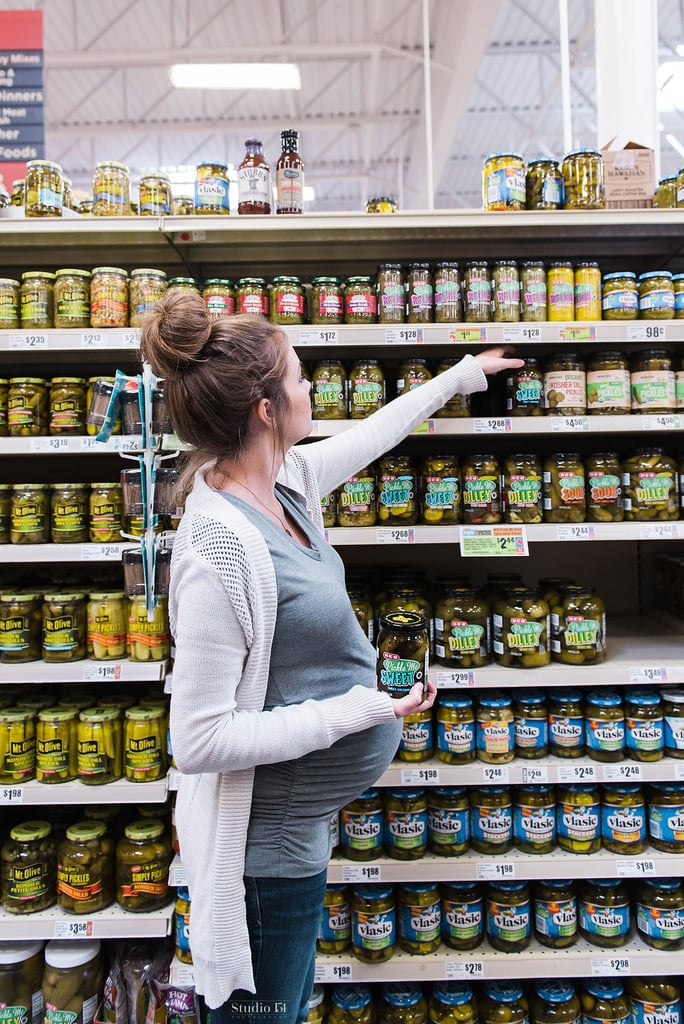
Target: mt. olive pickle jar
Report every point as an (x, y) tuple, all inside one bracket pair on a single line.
[(555, 1002), (405, 823), (604, 912), (67, 409), (566, 723), (57, 745), (458, 406), (100, 746), (543, 185), (555, 913), (534, 819), (334, 928), (503, 182), (361, 827), (356, 500), (373, 918), (391, 294), (533, 292), (448, 820), (583, 180), (397, 491), (623, 819), (403, 652), (462, 916), (145, 744), (565, 385), (37, 299), (64, 627), (418, 918), (560, 291), (20, 628), (608, 384), (69, 513), (329, 388), (660, 912), (461, 629), (72, 298), (579, 818), (30, 514), (455, 730), (9, 302), (477, 292), (509, 918), (525, 390), (27, 868), (447, 284), (143, 857), (666, 817), (481, 497), (530, 724), (656, 296), (327, 301), (521, 629), (440, 490), (366, 387), (578, 627), (105, 510), (286, 303), (620, 296), (644, 727), (604, 490), (649, 480), (521, 489), (503, 1002), (5, 503), (360, 301), (587, 291), (505, 292), (564, 490), (491, 819), (494, 728), (652, 381), (27, 407), (419, 294), (17, 745), (605, 725), (85, 868)]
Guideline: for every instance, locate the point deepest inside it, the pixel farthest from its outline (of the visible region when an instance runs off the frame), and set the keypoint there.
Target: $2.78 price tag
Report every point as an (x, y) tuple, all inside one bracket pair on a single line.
[(459, 969)]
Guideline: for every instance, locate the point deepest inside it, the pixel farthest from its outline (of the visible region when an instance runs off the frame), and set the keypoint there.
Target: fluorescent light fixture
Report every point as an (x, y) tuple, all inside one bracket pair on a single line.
[(670, 84), (309, 193), (235, 76), (675, 143), (680, 50)]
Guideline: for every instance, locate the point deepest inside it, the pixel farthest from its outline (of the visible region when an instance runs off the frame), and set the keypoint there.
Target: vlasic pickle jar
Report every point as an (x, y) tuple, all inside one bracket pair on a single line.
[(604, 490), (403, 652), (373, 918), (503, 182), (20, 628), (603, 1002), (361, 827), (525, 390), (350, 1003), (644, 727), (653, 381), (366, 388), (28, 868), (418, 918), (579, 818), (477, 292), (211, 188), (666, 817), (100, 746), (494, 728), (143, 857), (555, 1002), (462, 915), (623, 819), (583, 180), (356, 500), (17, 745), (21, 978), (455, 730), (416, 743), (391, 294), (654, 1000), (620, 296), (587, 291), (660, 912), (503, 1002), (560, 291), (565, 385), (521, 489), (608, 384), (397, 491), (447, 285), (405, 823), (543, 184), (491, 819), (534, 819), (505, 292), (334, 928), (85, 868), (530, 724), (604, 912), (403, 1003), (57, 745), (448, 820), (521, 629), (656, 296), (673, 712), (649, 480), (508, 922), (555, 913), (440, 490), (578, 628), (533, 292), (461, 629), (181, 916), (481, 496), (564, 488)]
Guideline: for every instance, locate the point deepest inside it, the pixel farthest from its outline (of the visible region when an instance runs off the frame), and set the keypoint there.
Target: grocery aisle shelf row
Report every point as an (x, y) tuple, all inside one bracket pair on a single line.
[(76, 445), (518, 425), (22, 554), (111, 923), (65, 793), (544, 533), (44, 341), (86, 671)]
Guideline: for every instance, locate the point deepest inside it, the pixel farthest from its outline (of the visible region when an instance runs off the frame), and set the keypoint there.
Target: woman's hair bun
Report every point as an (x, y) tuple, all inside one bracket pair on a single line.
[(175, 332)]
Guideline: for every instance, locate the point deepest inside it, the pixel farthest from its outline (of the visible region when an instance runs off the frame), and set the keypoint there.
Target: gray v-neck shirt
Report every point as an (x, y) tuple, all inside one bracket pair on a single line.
[(319, 650)]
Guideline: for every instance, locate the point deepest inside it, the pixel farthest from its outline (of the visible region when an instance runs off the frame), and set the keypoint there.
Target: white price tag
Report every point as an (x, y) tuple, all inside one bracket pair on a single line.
[(49, 444), (679, 772), (622, 773), (493, 425), (321, 336), (327, 973), (446, 680), (100, 552), (173, 779), (633, 868), (74, 930), (646, 332), (658, 531), (361, 873), (29, 341), (11, 795), (420, 776), (664, 422), (395, 535), (534, 773), (130, 443), (583, 531), (577, 773), (92, 339), (459, 969), (403, 335), (487, 871), (602, 965), (101, 673), (184, 976), (513, 334), (178, 876), (563, 424), (130, 339), (91, 444), (648, 674), (495, 773)]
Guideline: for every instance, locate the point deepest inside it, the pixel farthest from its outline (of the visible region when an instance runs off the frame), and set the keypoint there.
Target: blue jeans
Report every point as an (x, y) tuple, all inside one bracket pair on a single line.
[(282, 919)]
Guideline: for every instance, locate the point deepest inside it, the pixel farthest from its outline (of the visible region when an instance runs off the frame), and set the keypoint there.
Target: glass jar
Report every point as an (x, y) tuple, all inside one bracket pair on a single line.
[(653, 381), (565, 385), (461, 629), (566, 723), (145, 744), (411, 374), (18, 189), (43, 189), (5, 505), (440, 491), (660, 913), (219, 296), (351, 1004), (578, 628), (603, 1002), (181, 929), (530, 724), (605, 723), (366, 388), (560, 291), (604, 913), (649, 481), (360, 301), (143, 857), (494, 728), (17, 745), (623, 820), (72, 981), (397, 491), (37, 300), (579, 818), (146, 287), (477, 292), (391, 294), (608, 384), (455, 730), (105, 509), (286, 302), (334, 928), (678, 285), (356, 500), (67, 406), (326, 304), (100, 746), (458, 406), (533, 292), (564, 489), (373, 919), (361, 827), (587, 291), (656, 296), (418, 918), (525, 389), (72, 298), (503, 1002), (20, 628), (448, 820), (505, 292), (211, 188), (64, 627), (673, 713), (148, 640), (543, 185), (405, 823), (555, 913), (111, 190), (447, 284), (184, 284), (381, 204), (508, 921), (402, 1003), (252, 296), (10, 291), (521, 489), (416, 743), (534, 819), (329, 388), (21, 978), (644, 727), (491, 819), (85, 868), (154, 195), (462, 915), (363, 610), (69, 513), (666, 193), (57, 745), (666, 817), (521, 629), (481, 494), (403, 643), (620, 296), (27, 407), (555, 1002), (583, 180), (28, 869), (419, 294), (29, 514), (503, 182), (329, 510)]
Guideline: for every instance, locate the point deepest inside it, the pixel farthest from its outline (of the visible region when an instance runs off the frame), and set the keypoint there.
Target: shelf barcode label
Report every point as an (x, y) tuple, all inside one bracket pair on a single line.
[(100, 552), (49, 444), (577, 773), (667, 421), (489, 870), (571, 332), (130, 443), (326, 973), (130, 339), (173, 779), (493, 425), (468, 335), (101, 673), (324, 336), (622, 772), (602, 965), (535, 773), (11, 795), (496, 773), (420, 776), (626, 868), (29, 341), (403, 335), (178, 876), (184, 976), (74, 929), (493, 541), (648, 674), (658, 531), (444, 680), (361, 873), (396, 535)]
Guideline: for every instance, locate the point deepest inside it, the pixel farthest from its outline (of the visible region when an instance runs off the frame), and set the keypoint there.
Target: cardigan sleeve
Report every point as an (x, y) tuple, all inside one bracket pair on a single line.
[(209, 733), (337, 458)]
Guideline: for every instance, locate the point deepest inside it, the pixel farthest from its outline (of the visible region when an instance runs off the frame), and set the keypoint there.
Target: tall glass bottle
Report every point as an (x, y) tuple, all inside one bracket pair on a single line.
[(289, 175), (254, 180)]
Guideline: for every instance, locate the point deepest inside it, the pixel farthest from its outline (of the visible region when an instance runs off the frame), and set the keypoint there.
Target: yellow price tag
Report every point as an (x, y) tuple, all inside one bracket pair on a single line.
[(468, 335)]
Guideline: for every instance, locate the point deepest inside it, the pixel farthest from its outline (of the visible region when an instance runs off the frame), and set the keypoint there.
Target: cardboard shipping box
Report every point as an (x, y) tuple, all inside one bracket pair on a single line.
[(629, 175)]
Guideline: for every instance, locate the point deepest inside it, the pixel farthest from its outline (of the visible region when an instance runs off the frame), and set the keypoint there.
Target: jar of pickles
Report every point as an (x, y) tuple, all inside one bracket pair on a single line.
[(608, 384), (505, 292), (653, 381), (418, 918), (28, 869), (329, 389), (419, 293), (560, 287), (373, 918), (440, 490), (69, 513), (30, 514), (146, 287), (366, 387), (85, 868), (447, 285), (411, 374), (666, 817), (579, 818), (326, 304), (656, 295), (644, 727), (182, 925), (481, 494), (57, 745), (503, 1002), (9, 303), (564, 488), (461, 629), (154, 195), (143, 857), (20, 627), (405, 823), (491, 819), (21, 977), (521, 489), (356, 500), (43, 189), (100, 746), (477, 292), (494, 728), (448, 820), (455, 730), (604, 913), (578, 627), (360, 301), (286, 303), (660, 913), (555, 1002), (105, 509), (67, 403), (27, 407), (587, 291), (509, 919), (530, 724), (525, 389), (334, 929), (361, 827), (37, 300), (566, 723), (533, 291), (605, 724), (148, 640), (211, 188), (111, 190), (649, 481), (620, 296), (397, 491), (351, 1003), (503, 182), (543, 185), (583, 180), (72, 298), (666, 193), (403, 1003), (64, 627), (555, 913), (603, 1000), (219, 296), (252, 296), (623, 819), (534, 819), (462, 915), (17, 745), (678, 285), (521, 629), (145, 744), (391, 294), (565, 385)]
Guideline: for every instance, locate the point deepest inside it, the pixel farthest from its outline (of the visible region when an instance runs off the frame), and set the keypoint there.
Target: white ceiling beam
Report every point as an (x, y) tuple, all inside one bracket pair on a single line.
[(68, 60)]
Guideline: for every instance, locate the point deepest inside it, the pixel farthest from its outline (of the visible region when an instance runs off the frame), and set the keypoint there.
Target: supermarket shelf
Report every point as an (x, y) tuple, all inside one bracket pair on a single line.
[(544, 533), (65, 793), (520, 426), (77, 445), (85, 671), (580, 960), (112, 923), (45, 341), (22, 554)]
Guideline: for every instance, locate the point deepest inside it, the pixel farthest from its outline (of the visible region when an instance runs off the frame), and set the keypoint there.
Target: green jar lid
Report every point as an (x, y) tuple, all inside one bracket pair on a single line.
[(63, 598), (77, 273), (68, 380), (326, 280), (99, 714), (14, 381), (140, 830), (359, 280), (86, 831), (14, 716), (148, 271), (14, 598), (59, 714), (106, 483), (284, 279), (30, 487), (8, 280), (108, 595), (260, 281), (29, 831), (70, 487), (120, 701), (30, 275), (144, 714), (223, 281), (111, 270), (183, 280)]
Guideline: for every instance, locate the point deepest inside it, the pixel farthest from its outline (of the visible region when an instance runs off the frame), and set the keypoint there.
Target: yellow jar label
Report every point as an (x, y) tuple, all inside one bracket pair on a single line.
[(69, 517), (28, 518), (60, 633), (143, 754), (52, 757), (25, 883), (92, 759)]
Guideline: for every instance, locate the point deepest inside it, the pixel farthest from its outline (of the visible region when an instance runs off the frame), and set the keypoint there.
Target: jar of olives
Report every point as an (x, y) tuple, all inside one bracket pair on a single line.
[(555, 913), (334, 929), (405, 823), (27, 868), (660, 912), (604, 491), (579, 818), (85, 868), (623, 819), (605, 724), (525, 390), (579, 627), (604, 913), (447, 284), (503, 1002), (644, 728), (356, 501), (366, 387), (361, 827), (57, 745), (448, 820), (666, 817), (391, 295), (583, 180), (461, 627), (360, 301), (27, 407), (462, 915), (397, 491), (521, 629), (373, 918), (440, 490), (17, 745), (491, 819), (329, 390), (143, 857), (455, 730), (649, 480), (565, 385), (620, 296), (533, 292), (418, 918), (481, 490), (521, 489), (494, 728), (543, 184), (608, 384), (20, 628), (477, 292), (652, 382), (327, 301), (508, 921), (564, 488)]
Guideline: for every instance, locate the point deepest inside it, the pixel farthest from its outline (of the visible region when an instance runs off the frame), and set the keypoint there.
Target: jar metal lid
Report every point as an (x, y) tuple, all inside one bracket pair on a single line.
[(655, 273), (503, 991), (183, 280), (19, 381), (106, 595), (405, 794), (14, 598), (155, 176), (495, 701), (563, 696), (148, 271), (317, 994), (225, 282), (75, 273), (605, 700), (29, 831), (65, 953), (580, 787), (286, 279), (111, 270), (86, 831), (351, 997), (628, 788), (455, 702), (372, 892), (9, 280), (331, 280), (417, 887), (620, 273), (63, 714), (212, 163), (604, 988), (147, 714), (543, 160), (554, 991), (642, 697), (582, 152), (30, 275), (494, 790), (359, 279), (663, 883), (496, 156), (673, 696), (529, 697), (604, 883), (67, 380), (511, 886), (401, 993), (141, 829), (99, 715), (43, 163), (452, 993), (455, 792), (60, 598), (402, 621), (14, 716)]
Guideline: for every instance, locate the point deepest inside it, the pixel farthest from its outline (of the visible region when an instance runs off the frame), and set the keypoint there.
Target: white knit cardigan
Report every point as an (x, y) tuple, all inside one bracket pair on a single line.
[(223, 604)]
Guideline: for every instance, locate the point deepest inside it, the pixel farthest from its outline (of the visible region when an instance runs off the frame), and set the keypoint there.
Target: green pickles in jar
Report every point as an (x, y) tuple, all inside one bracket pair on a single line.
[(391, 294), (28, 869), (623, 819), (28, 412), (448, 305), (440, 490), (366, 387), (481, 494), (448, 821), (405, 827), (565, 385), (503, 1002), (20, 628), (419, 294), (491, 819), (356, 500), (403, 652), (373, 917), (403, 1003), (334, 929), (608, 384), (329, 388), (579, 818), (360, 301), (521, 629), (521, 489), (397, 491), (286, 305), (555, 1002), (64, 627), (564, 489), (477, 292), (327, 301), (543, 184), (361, 827), (418, 918), (411, 374), (555, 913), (505, 292), (604, 912), (455, 730), (653, 382), (57, 745), (100, 746), (649, 481), (533, 291), (17, 745), (458, 406), (143, 857), (509, 916), (534, 819), (461, 629), (604, 488), (660, 913), (525, 390), (578, 627), (85, 868)]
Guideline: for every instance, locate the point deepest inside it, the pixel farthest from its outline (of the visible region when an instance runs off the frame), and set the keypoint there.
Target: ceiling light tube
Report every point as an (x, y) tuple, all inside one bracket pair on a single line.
[(235, 76)]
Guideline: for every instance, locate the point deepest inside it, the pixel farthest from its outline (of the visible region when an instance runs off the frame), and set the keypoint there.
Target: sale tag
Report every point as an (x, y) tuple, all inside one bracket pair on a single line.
[(325, 973), (74, 929), (602, 965), (577, 773), (495, 773), (535, 773), (361, 873), (459, 969), (403, 335), (420, 776), (100, 552), (665, 422), (646, 332), (322, 336), (102, 673), (443, 680), (633, 868), (493, 425), (582, 531), (487, 871), (468, 335), (11, 795), (658, 531), (426, 427), (30, 341), (395, 535), (571, 332), (648, 674), (563, 424), (622, 772), (489, 541), (511, 335), (92, 339), (49, 444)]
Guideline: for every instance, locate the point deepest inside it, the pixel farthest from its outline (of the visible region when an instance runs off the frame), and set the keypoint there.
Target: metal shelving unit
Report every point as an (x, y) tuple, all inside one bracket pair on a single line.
[(23, 554), (37, 794), (111, 923), (543, 533), (87, 671)]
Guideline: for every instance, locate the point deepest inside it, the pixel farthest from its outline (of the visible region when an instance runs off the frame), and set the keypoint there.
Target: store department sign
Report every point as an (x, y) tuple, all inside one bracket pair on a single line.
[(22, 121)]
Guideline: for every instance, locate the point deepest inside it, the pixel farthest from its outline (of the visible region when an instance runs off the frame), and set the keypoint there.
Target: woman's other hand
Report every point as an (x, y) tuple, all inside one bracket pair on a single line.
[(413, 702), (493, 360)]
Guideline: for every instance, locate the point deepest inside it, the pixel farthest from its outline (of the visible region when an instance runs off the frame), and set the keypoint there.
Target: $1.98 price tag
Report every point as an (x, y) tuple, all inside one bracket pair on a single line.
[(361, 873), (420, 776), (327, 973), (11, 795)]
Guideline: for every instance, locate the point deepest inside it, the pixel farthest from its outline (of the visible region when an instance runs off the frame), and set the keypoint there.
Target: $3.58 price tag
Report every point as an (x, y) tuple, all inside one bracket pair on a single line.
[(74, 930)]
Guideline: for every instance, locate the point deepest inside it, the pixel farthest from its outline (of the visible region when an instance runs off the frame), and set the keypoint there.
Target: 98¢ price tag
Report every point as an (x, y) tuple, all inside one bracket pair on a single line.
[(326, 973)]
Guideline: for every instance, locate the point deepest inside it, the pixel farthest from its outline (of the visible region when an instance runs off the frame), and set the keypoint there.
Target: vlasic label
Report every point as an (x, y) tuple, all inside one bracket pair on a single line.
[(373, 931), (462, 920), (530, 733), (674, 733), (456, 737), (655, 1013), (566, 731), (579, 822), (666, 823), (492, 825), (416, 736), (494, 737), (335, 923), (448, 826), (624, 825), (506, 185), (420, 924), (405, 830), (644, 733), (626, 299), (667, 925), (211, 191), (507, 923), (557, 919), (534, 825), (601, 735), (606, 922), (361, 831)]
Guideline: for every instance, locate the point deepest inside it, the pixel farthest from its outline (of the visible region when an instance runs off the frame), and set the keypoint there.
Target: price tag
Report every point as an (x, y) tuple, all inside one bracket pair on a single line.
[(100, 552), (13, 795), (178, 876), (563, 424), (455, 969), (602, 965), (91, 444), (535, 773), (634, 868), (620, 772), (420, 776), (28, 341), (646, 332), (184, 976), (74, 930), (361, 873), (395, 535), (132, 443), (658, 531), (493, 541), (49, 444), (101, 673), (403, 335), (468, 335), (488, 870), (130, 339), (495, 773), (679, 772), (494, 425), (648, 674), (326, 534), (323, 336), (326, 973), (571, 332), (173, 780), (577, 773), (583, 531), (426, 427), (513, 334), (665, 422), (461, 678), (92, 339)]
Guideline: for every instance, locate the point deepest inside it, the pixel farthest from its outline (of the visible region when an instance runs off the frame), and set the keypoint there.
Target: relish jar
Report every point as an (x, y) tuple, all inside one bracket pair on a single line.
[(85, 868), (503, 182), (525, 389), (391, 294), (57, 745), (653, 381), (560, 291), (666, 817), (666, 193), (678, 285), (505, 292), (578, 818), (373, 919), (30, 514), (564, 488), (405, 823), (555, 913), (604, 913), (252, 296), (508, 922), (649, 480), (418, 918), (521, 489), (72, 298), (27, 407), (530, 724), (543, 185), (660, 912), (356, 500), (366, 388), (566, 723), (329, 389), (565, 385), (477, 292), (360, 301), (578, 628), (455, 730), (534, 819), (154, 195), (620, 296), (69, 513), (219, 296), (440, 490), (494, 728), (111, 190), (146, 287), (43, 189), (583, 180), (533, 292), (67, 405), (503, 1002), (286, 301), (555, 1002), (656, 296), (419, 294), (605, 723), (491, 819), (326, 304), (623, 819), (461, 629), (37, 299), (521, 629), (100, 746), (20, 627), (608, 384), (143, 857), (28, 869), (334, 928), (462, 915), (587, 291), (448, 820), (447, 285), (481, 496), (361, 827), (397, 491), (644, 727)]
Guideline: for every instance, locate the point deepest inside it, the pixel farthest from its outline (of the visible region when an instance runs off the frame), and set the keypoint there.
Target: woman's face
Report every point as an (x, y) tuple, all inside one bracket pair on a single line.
[(297, 389)]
